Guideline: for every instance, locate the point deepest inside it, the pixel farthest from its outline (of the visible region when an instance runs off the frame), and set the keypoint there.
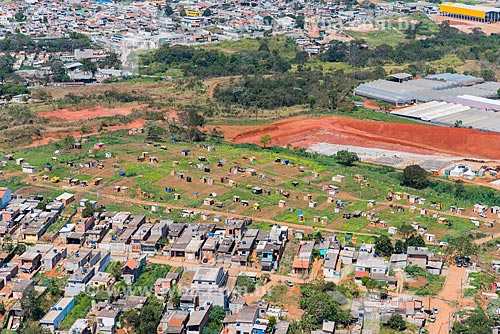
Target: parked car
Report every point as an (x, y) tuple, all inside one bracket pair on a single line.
[(435, 310), (287, 282), (432, 319)]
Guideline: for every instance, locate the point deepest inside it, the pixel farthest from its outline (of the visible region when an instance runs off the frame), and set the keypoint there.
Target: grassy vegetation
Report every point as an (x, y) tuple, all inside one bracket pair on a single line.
[(82, 306), (391, 36), (479, 281), (286, 261), (154, 178), (379, 116), (433, 283), (278, 43), (281, 295), (150, 273)]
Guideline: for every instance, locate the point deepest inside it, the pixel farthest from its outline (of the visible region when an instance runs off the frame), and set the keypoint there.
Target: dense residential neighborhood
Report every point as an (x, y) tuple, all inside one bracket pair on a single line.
[(249, 167)]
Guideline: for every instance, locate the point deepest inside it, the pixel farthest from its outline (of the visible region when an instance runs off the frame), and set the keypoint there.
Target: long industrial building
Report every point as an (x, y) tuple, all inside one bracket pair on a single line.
[(474, 112), (470, 12), (431, 88)]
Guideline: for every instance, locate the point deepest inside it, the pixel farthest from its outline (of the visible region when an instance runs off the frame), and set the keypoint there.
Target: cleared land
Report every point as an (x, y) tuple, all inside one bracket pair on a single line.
[(412, 138)]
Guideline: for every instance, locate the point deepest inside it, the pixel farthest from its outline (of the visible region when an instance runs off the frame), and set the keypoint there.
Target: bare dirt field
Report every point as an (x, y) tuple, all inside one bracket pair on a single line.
[(52, 136), (467, 26), (85, 114), (412, 138)]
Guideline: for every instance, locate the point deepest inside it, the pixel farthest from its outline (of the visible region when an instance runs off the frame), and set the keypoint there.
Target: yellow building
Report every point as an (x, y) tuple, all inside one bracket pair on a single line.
[(192, 13), (469, 12)]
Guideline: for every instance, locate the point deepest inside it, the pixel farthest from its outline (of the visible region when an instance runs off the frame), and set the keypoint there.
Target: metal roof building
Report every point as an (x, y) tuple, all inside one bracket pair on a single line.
[(439, 87), (470, 12), (447, 113)]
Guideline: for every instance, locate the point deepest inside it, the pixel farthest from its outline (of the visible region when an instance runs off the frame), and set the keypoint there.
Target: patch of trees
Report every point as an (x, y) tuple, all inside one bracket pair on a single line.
[(346, 158), (217, 314), (415, 176), (320, 300), (109, 96), (11, 89), (209, 63), (448, 40), (245, 284), (396, 322), (410, 238), (146, 320), (472, 193), (461, 246), (478, 323), (312, 88), (17, 116), (20, 42), (187, 128), (268, 93)]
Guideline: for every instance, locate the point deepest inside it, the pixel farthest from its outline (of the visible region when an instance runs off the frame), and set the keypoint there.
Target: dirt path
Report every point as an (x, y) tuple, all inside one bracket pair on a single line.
[(448, 300), (486, 239)]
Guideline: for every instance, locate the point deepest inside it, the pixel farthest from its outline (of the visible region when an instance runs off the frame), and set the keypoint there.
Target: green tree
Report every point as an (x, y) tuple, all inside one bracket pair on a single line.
[(175, 296), (415, 241), (191, 118), (415, 176), (214, 325), (299, 21), (488, 75), (68, 141), (154, 130), (58, 71), (346, 158), (131, 318), (6, 66), (461, 245), (207, 12), (245, 284), (32, 305), (459, 189), (301, 57), (396, 322), (150, 316), (265, 140), (53, 288), (478, 323), (88, 210), (89, 66), (32, 327), (399, 247), (264, 47), (383, 246), (271, 324), (20, 17), (115, 269), (406, 230)]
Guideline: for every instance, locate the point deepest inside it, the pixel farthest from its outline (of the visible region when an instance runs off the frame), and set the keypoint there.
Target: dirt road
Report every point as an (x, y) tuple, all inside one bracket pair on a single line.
[(448, 300)]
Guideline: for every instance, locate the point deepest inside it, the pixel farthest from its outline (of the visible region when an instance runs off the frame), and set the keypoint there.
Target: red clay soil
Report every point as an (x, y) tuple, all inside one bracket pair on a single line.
[(84, 114), (50, 137), (412, 138)]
